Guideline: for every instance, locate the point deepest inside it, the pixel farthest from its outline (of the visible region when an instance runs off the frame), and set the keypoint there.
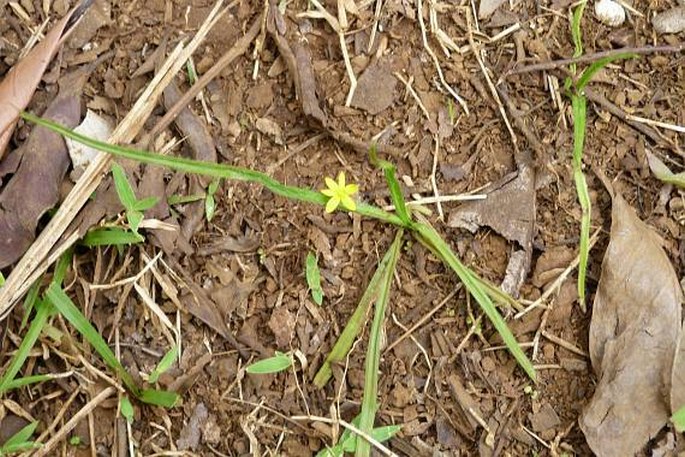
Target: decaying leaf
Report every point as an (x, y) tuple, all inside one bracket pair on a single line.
[(633, 334), (34, 187), (663, 173), (17, 88), (510, 211)]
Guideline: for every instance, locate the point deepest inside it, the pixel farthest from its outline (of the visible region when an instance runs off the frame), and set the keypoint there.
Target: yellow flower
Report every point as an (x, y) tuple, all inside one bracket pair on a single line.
[(340, 193)]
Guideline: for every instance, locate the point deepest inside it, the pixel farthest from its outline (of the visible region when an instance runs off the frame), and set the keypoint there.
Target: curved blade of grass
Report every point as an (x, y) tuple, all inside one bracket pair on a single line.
[(373, 353), (592, 69), (42, 313), (393, 185), (276, 364), (68, 309), (354, 325), (124, 190), (30, 302), (27, 380), (164, 364), (20, 440), (468, 278), (579, 110), (211, 169), (663, 173), (313, 276), (113, 236)]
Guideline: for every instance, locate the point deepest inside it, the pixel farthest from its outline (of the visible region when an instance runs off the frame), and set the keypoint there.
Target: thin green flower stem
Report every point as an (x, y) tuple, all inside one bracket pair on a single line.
[(213, 169)]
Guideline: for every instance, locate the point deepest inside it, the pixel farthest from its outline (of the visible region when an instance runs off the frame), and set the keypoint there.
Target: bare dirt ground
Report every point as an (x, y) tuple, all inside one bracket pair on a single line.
[(247, 264)]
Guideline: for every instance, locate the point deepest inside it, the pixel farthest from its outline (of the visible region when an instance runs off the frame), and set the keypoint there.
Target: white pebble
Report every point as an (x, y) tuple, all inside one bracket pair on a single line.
[(610, 12)]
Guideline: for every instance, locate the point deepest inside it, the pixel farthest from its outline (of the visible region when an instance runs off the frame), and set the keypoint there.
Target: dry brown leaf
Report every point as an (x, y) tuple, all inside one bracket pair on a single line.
[(17, 88), (510, 211), (633, 334), (34, 187)]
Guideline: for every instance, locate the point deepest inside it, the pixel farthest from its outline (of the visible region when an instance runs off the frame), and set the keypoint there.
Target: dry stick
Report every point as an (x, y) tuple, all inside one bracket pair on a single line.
[(69, 426), (601, 100), (642, 50), (34, 263), (236, 51)]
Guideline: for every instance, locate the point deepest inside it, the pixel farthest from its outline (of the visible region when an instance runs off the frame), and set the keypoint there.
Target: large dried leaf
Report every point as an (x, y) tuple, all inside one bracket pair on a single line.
[(633, 335), (34, 187), (17, 88)]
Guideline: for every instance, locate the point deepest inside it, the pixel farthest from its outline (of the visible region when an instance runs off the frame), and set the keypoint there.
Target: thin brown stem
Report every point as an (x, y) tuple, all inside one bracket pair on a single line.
[(642, 50)]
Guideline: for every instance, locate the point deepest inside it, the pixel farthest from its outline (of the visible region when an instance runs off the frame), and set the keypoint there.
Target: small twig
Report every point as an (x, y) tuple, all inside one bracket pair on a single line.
[(412, 92), (434, 182), (663, 125), (421, 321), (587, 58), (47, 448)]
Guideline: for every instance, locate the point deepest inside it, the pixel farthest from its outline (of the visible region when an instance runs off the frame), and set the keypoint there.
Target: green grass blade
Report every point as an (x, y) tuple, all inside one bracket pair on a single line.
[(30, 302), (313, 276), (380, 434), (276, 364), (373, 353), (678, 419), (164, 364), (576, 33), (181, 199), (27, 380), (19, 440), (393, 185), (27, 343), (112, 236), (579, 110), (145, 204), (126, 409), (592, 69), (211, 169), (124, 190), (354, 325), (68, 309), (468, 278)]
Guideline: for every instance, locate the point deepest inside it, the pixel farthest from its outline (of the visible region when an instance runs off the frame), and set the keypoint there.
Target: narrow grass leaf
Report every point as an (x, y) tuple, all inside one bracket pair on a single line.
[(145, 204), (27, 380), (27, 343), (429, 236), (663, 173), (134, 218), (210, 207), (678, 419), (313, 276), (20, 440), (393, 185), (162, 398), (380, 434), (68, 309), (579, 110), (112, 236), (587, 74), (22, 435), (164, 364), (126, 409), (373, 353), (212, 169), (275, 364), (124, 190), (2, 279), (30, 302), (354, 325), (182, 199)]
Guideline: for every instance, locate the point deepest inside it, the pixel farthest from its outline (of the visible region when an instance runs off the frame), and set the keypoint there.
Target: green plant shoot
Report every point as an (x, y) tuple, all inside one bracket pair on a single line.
[(276, 364), (313, 276)]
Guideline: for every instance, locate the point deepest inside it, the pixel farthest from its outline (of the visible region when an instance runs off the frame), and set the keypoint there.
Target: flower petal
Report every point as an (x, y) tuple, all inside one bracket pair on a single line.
[(328, 192), (348, 203), (351, 189), (332, 204), (341, 179), (330, 183)]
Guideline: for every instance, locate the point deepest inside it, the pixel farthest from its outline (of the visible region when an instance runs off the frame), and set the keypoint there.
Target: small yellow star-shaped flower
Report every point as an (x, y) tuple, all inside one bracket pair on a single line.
[(340, 193)]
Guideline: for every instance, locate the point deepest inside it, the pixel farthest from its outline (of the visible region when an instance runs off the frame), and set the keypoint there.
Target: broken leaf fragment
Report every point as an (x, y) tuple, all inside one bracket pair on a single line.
[(634, 332)]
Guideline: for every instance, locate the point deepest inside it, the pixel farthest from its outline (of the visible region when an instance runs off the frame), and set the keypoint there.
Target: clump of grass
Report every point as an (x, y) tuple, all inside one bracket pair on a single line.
[(401, 218), (20, 441)]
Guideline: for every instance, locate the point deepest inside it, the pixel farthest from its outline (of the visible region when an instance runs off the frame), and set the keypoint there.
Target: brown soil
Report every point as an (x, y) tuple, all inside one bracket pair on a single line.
[(257, 280)]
